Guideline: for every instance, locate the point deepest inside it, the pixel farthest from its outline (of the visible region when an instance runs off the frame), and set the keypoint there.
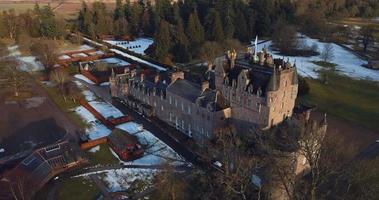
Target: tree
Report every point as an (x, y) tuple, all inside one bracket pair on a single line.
[(61, 78), (163, 41), (46, 51), (214, 31), (327, 53), (170, 185), (366, 36), (238, 168), (284, 37), (11, 24), (195, 31), (49, 26), (14, 78), (24, 41), (210, 51)]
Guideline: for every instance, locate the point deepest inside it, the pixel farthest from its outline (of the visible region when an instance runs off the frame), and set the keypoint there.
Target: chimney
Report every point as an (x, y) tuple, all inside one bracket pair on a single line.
[(142, 75), (157, 78), (232, 55), (177, 75), (126, 70), (133, 73), (204, 85)]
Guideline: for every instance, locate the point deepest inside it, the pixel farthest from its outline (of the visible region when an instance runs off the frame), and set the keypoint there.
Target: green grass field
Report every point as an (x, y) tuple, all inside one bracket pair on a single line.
[(65, 106), (78, 188), (102, 156), (354, 100)]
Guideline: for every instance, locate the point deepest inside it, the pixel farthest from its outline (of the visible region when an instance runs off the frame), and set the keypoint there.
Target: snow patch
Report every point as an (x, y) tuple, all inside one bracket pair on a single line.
[(347, 63), (156, 151), (115, 61), (138, 46), (94, 149), (139, 60), (83, 78), (106, 109), (96, 129), (121, 179)]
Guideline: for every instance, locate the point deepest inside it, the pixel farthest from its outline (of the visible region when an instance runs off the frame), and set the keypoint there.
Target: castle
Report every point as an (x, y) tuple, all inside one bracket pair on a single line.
[(247, 91)]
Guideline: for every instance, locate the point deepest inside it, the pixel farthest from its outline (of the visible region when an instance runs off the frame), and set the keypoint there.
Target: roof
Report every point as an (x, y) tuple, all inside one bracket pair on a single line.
[(212, 99), (40, 166), (185, 89), (122, 138)]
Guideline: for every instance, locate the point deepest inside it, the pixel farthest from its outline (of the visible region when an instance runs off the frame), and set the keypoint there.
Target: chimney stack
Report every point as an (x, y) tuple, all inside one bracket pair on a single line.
[(204, 85), (157, 78), (232, 55), (142, 77), (177, 75)]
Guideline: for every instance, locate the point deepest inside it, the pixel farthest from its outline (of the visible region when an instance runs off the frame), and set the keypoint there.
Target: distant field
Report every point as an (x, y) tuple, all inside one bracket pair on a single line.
[(68, 9), (353, 100), (21, 7)]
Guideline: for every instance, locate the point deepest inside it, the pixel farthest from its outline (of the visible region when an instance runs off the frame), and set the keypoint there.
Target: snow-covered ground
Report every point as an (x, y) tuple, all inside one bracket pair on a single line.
[(156, 152), (27, 63), (83, 78), (80, 48), (93, 42), (347, 63), (138, 46), (94, 149), (138, 60), (121, 179), (115, 61), (96, 129), (106, 109)]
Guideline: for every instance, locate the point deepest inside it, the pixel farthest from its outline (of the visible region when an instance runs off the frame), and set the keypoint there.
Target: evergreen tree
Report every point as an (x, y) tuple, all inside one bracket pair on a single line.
[(195, 31), (225, 7), (263, 23), (147, 21), (164, 10), (213, 24), (49, 27), (118, 12), (162, 41), (135, 19), (241, 31)]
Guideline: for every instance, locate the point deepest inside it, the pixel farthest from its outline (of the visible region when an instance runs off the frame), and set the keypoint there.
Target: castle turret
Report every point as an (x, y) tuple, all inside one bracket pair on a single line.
[(273, 83)]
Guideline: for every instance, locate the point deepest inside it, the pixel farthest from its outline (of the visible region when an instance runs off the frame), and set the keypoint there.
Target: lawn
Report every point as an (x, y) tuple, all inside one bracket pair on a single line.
[(324, 64), (102, 156), (21, 7), (65, 106), (354, 100), (78, 188)]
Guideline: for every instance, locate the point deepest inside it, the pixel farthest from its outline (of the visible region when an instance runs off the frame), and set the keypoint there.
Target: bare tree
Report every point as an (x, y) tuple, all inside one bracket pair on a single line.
[(238, 168), (46, 52), (327, 53), (61, 78), (14, 79), (170, 185), (11, 23), (284, 37), (366, 36), (209, 52)]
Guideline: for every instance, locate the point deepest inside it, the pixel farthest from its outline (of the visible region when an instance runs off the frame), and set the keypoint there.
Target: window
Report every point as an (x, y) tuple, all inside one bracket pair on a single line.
[(170, 100), (162, 108), (189, 109), (282, 105), (182, 106), (176, 103)]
